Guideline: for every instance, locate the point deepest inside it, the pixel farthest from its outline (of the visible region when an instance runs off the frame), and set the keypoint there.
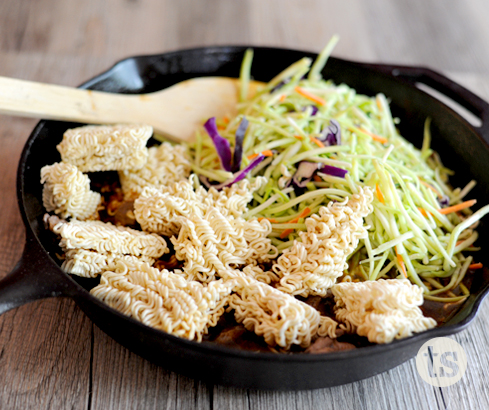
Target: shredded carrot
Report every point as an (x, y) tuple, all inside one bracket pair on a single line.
[(458, 207), (423, 212), (476, 266), (225, 120), (299, 137), (266, 153), (221, 127), (286, 233), (310, 96), (282, 98), (438, 193), (379, 105), (379, 194), (401, 264), (303, 214), (317, 142), (271, 220), (306, 211), (375, 137), (317, 178)]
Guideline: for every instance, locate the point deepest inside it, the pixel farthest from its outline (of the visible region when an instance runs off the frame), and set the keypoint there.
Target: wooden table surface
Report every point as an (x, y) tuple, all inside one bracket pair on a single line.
[(51, 355)]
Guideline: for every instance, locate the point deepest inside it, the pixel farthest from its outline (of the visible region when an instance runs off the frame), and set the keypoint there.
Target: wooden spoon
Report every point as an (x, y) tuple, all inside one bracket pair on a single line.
[(176, 111)]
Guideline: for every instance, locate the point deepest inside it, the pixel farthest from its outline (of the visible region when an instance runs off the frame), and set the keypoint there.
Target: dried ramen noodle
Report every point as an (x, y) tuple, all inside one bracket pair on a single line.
[(166, 164), (106, 148), (162, 299), (311, 267), (67, 191), (279, 318), (381, 310), (228, 262), (90, 264)]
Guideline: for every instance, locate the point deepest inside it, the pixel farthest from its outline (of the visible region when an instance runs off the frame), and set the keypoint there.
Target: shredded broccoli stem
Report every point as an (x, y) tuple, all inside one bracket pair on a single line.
[(406, 222), (245, 74)]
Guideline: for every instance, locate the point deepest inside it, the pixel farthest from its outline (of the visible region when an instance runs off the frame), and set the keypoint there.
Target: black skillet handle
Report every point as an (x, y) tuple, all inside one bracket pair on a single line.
[(444, 85), (34, 277)]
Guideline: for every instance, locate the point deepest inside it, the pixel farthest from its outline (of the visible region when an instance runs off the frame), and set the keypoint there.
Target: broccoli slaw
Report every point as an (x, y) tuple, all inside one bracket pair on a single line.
[(317, 142)]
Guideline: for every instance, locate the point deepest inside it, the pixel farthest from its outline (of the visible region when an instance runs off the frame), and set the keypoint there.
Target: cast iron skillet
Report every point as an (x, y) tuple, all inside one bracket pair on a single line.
[(462, 146)]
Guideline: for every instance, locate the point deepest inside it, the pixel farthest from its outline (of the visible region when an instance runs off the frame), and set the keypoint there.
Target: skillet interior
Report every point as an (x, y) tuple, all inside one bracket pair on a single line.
[(458, 143)]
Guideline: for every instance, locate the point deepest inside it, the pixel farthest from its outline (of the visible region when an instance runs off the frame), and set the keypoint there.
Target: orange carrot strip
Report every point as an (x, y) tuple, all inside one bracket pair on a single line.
[(458, 207), (310, 96), (401, 263), (266, 153), (379, 194), (303, 214), (476, 266), (271, 220), (282, 98), (379, 105), (375, 137), (423, 212), (299, 137), (438, 193), (317, 178), (286, 233), (317, 142), (306, 211), (225, 120)]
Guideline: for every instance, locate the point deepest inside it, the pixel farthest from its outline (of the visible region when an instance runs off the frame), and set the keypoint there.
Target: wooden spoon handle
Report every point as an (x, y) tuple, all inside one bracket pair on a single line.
[(39, 100)]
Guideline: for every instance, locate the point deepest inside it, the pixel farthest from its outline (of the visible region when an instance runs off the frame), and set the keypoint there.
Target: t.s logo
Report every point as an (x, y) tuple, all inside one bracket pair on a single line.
[(441, 362)]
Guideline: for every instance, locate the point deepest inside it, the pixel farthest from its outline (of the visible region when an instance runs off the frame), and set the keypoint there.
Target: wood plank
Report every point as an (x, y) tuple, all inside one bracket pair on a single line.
[(45, 346), (429, 33), (44, 356), (122, 379)]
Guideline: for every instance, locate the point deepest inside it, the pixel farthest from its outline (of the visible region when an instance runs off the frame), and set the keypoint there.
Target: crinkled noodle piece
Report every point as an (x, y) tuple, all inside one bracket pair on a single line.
[(381, 310), (280, 319), (212, 242), (312, 265), (204, 231), (90, 264), (166, 165), (232, 200), (164, 300), (105, 237), (66, 191), (156, 209), (106, 147)]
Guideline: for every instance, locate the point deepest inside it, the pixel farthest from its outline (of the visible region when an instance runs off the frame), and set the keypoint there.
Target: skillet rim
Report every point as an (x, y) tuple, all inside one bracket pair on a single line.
[(79, 291)]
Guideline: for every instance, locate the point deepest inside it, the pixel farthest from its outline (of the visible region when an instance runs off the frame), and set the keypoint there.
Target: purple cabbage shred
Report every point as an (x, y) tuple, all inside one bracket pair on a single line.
[(444, 201), (238, 176), (306, 171), (222, 144), (238, 145), (279, 85), (314, 110), (332, 134)]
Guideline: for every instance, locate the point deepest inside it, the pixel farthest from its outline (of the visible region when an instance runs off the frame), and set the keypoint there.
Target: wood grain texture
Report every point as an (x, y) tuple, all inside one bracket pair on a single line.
[(51, 356)]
